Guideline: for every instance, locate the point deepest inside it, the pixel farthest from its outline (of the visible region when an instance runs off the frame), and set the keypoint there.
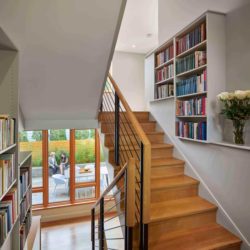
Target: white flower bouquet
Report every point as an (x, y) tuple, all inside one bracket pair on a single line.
[(236, 108)]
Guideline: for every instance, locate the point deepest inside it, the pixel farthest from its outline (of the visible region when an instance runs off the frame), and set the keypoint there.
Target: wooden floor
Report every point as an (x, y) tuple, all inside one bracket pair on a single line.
[(75, 236)]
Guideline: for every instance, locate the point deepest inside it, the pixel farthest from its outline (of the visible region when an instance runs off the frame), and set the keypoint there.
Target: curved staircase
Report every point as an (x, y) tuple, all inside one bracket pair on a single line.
[(179, 218)]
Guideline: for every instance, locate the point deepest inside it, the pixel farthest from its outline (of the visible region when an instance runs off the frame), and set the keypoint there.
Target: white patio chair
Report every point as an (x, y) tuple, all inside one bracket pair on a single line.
[(60, 179)]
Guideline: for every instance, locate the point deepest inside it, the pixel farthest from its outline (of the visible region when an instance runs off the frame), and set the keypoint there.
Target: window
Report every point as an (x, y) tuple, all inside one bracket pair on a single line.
[(65, 165)]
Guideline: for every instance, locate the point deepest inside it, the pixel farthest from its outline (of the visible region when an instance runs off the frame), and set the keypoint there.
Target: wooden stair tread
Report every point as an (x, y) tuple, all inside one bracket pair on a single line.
[(153, 146), (205, 238), (180, 207), (166, 162), (171, 182), (130, 133)]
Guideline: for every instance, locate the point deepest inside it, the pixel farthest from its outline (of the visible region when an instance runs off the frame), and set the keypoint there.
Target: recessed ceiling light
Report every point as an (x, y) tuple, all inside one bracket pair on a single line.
[(133, 46)]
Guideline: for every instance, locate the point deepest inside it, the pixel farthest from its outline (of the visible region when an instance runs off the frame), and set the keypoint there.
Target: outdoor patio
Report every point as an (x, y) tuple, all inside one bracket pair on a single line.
[(59, 184)]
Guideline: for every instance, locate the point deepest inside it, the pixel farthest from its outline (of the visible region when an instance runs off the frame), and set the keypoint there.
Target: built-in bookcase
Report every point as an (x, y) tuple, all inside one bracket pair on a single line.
[(164, 72), (198, 76), (9, 170)]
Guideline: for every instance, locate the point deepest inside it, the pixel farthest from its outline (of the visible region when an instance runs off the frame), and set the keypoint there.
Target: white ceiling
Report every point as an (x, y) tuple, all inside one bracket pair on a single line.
[(140, 18), (64, 48)]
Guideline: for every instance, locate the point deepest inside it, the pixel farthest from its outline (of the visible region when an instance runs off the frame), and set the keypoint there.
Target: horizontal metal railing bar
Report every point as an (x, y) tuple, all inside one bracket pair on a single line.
[(114, 239), (108, 229), (113, 183), (117, 203), (114, 217)]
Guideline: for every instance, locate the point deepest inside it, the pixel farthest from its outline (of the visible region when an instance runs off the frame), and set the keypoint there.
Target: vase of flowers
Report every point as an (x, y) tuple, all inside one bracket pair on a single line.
[(236, 107)]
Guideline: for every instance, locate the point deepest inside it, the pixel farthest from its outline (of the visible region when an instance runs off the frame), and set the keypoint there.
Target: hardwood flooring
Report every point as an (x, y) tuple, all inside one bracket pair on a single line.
[(74, 236)]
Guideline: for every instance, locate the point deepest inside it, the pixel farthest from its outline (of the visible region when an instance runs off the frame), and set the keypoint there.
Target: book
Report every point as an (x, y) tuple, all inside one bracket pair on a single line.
[(193, 84), (191, 39), (164, 91), (193, 106), (165, 55), (7, 166), (192, 61), (164, 73), (7, 131), (191, 130)]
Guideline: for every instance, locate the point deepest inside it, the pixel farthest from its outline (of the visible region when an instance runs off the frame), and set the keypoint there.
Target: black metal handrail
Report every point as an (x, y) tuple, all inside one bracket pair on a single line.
[(104, 207), (127, 142)]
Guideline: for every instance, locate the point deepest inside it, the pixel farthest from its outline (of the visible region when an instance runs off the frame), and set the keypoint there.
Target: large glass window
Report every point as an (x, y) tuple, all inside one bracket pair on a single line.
[(58, 155), (58, 165)]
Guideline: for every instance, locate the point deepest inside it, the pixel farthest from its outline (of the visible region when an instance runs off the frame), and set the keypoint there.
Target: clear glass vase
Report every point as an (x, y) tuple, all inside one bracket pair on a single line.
[(239, 131)]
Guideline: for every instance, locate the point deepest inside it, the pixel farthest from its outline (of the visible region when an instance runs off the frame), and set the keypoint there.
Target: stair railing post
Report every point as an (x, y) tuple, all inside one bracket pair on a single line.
[(117, 127), (143, 226), (93, 228), (101, 225)]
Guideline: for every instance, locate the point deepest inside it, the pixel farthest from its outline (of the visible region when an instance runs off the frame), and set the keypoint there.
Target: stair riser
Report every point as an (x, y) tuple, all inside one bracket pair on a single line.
[(156, 153), (164, 228), (174, 193), (141, 117), (109, 128), (167, 171), (129, 140)]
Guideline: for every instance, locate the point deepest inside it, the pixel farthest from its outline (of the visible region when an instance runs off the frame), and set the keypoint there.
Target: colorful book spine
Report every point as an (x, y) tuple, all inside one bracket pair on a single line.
[(165, 73), (165, 55), (7, 131), (8, 213), (164, 91), (192, 130), (193, 84), (24, 230), (7, 171), (191, 39), (24, 181), (192, 61), (191, 107)]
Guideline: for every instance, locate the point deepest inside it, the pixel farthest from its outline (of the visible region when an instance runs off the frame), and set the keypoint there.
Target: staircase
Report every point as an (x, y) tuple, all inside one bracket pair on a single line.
[(179, 217)]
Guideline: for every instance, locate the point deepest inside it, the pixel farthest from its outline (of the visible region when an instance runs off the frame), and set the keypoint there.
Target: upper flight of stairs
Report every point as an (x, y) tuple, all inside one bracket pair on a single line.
[(179, 219)]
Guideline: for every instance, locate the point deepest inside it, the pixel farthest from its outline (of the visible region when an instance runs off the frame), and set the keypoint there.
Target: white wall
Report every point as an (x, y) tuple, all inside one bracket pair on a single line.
[(128, 72), (224, 172), (175, 14)]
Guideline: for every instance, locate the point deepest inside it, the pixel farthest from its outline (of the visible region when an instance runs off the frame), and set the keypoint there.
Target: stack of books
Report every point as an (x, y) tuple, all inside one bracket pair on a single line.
[(8, 213), (7, 171), (193, 84), (192, 61), (25, 205), (192, 130), (191, 39), (165, 73), (194, 106), (7, 131), (165, 55), (24, 230), (164, 91), (24, 181)]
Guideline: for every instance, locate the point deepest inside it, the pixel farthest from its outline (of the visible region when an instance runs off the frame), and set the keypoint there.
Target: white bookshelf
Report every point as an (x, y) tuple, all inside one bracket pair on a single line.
[(214, 45), (9, 106)]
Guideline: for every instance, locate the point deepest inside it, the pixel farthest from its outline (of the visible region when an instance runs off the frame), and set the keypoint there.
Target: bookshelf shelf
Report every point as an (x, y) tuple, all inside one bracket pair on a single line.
[(169, 80), (190, 139), (200, 46), (7, 149), (163, 99), (9, 188), (191, 116), (192, 71), (191, 95), (165, 64)]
